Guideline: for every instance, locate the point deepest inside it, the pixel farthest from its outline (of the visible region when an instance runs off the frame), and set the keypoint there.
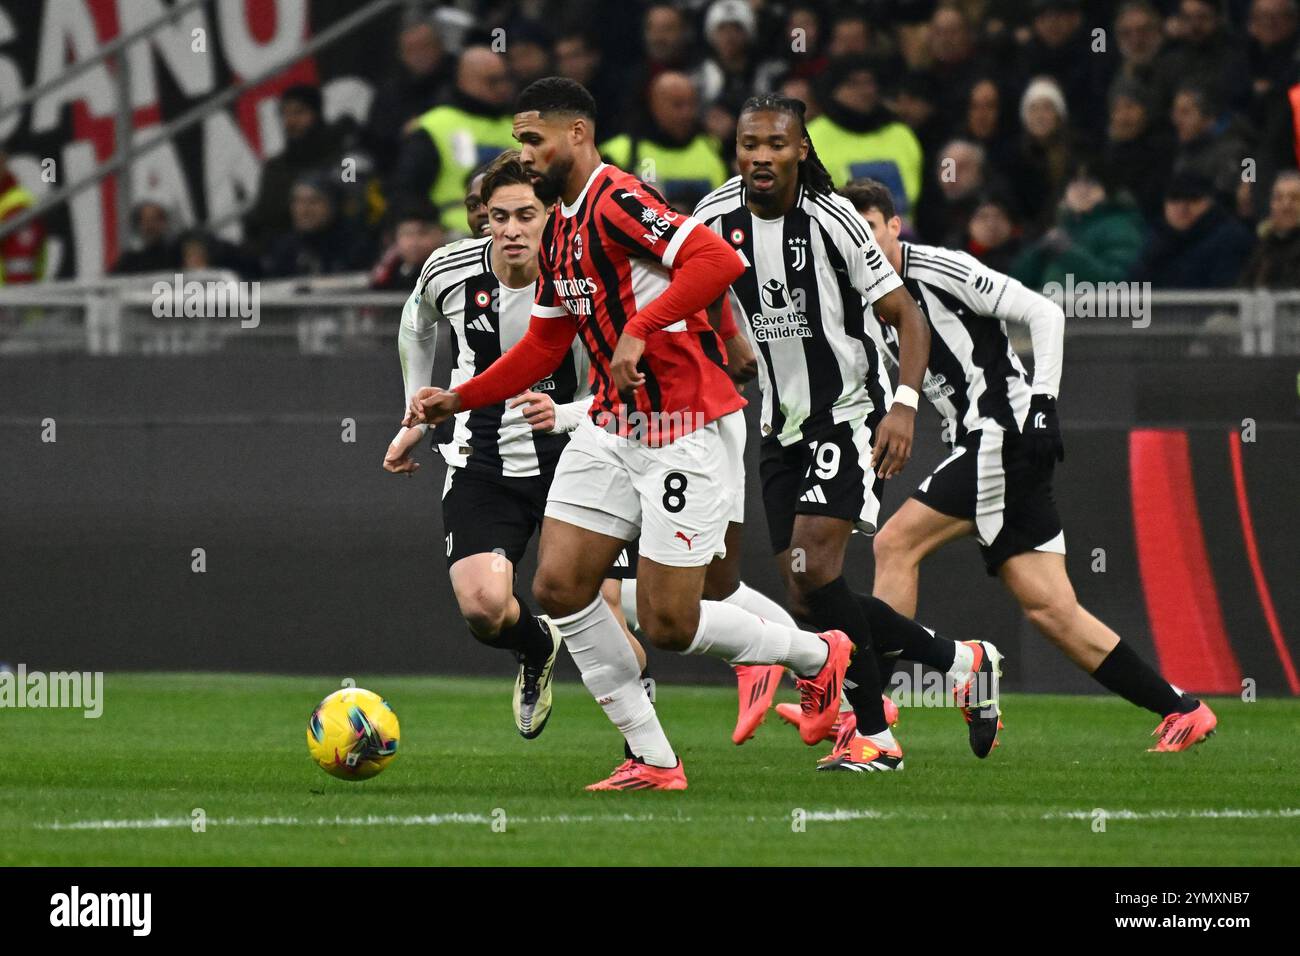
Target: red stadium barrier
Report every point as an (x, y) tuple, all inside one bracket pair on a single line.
[(1181, 597), (1257, 566)]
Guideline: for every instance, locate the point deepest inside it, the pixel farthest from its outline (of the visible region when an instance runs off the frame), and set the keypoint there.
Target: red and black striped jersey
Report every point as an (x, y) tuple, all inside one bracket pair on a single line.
[(603, 259)]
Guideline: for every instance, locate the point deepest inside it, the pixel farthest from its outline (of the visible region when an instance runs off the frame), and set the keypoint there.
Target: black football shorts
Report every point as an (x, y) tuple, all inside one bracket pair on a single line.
[(990, 480), (829, 474)]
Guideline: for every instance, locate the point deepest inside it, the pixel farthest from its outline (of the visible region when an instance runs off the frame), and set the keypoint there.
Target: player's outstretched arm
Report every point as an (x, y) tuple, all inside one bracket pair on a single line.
[(999, 297), (1046, 323), (882, 289), (570, 414), (529, 360), (894, 434), (704, 266), (417, 340), (703, 269)]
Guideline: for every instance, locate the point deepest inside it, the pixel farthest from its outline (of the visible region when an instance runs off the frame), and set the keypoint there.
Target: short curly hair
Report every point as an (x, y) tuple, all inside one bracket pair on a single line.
[(556, 94)]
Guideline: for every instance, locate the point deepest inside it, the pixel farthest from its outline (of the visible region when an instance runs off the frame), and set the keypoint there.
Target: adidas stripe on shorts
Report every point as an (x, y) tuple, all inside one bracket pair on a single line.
[(827, 474)]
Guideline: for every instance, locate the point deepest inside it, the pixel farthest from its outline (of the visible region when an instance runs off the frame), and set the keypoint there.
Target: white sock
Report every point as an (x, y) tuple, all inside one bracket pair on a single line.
[(884, 739), (755, 602), (739, 637), (609, 670), (628, 595), (963, 659)]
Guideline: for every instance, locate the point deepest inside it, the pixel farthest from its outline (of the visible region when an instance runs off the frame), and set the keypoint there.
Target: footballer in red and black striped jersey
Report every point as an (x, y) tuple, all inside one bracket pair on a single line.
[(605, 259), (659, 457)]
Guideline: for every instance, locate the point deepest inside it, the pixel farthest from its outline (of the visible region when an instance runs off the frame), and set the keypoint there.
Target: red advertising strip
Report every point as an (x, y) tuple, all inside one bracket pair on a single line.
[(1293, 95), (1182, 602), (1257, 566)]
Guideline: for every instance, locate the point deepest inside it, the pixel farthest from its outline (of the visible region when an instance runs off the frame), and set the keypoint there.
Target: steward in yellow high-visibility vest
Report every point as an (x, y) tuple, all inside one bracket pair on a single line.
[(857, 137), (445, 145), (683, 173), (669, 150), (22, 253), (464, 141)]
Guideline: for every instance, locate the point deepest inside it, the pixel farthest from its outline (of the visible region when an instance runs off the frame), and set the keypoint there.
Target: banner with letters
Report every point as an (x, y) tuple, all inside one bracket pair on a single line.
[(205, 174)]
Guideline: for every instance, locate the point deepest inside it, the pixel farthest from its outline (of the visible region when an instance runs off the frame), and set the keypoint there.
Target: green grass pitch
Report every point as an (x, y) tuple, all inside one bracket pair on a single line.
[(465, 789)]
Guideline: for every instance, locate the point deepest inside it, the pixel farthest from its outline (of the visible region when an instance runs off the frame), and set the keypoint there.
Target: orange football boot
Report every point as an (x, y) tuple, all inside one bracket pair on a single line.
[(819, 696), (757, 684), (635, 774), (791, 714), (1181, 731), (859, 754)]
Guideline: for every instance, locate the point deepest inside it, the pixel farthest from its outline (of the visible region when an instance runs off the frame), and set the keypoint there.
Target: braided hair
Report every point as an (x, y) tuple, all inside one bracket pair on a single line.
[(812, 173)]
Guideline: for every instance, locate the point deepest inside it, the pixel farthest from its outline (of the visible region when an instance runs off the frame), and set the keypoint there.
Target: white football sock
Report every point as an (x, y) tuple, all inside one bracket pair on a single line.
[(627, 593), (609, 670), (963, 659), (758, 603), (883, 739), (739, 637)]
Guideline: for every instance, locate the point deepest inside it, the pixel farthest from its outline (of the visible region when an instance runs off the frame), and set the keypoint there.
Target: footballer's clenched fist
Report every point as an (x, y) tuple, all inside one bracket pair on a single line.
[(431, 406)]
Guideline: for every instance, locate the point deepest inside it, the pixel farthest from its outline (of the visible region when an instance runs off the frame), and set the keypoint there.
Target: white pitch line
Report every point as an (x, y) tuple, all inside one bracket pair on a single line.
[(836, 815), (445, 819), (844, 816), (1228, 813), (429, 820)]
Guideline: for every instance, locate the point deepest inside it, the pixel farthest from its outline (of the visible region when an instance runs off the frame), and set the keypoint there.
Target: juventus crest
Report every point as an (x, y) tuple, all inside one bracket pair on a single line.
[(798, 252)]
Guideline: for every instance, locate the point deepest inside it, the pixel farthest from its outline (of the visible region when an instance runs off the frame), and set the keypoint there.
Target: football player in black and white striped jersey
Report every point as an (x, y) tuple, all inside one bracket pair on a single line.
[(997, 483), (501, 458), (833, 429)]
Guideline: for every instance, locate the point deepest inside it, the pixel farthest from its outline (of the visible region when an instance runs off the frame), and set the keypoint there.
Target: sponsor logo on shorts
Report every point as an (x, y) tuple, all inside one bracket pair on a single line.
[(814, 495), (690, 542)]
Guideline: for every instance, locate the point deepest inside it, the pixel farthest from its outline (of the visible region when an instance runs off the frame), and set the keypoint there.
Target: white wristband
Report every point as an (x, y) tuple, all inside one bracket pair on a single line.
[(906, 395), (422, 427), (568, 417)]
